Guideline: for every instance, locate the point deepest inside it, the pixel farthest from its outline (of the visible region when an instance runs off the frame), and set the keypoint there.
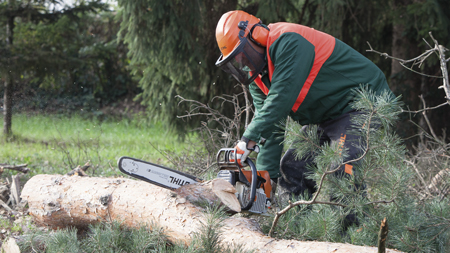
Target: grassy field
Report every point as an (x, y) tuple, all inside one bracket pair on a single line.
[(56, 144)]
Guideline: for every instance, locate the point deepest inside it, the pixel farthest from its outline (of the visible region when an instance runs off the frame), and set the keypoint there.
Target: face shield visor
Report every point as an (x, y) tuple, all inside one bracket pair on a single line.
[(244, 63)]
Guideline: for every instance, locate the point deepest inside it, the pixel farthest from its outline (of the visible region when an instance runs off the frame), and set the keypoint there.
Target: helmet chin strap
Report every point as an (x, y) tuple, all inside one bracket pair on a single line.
[(257, 48)]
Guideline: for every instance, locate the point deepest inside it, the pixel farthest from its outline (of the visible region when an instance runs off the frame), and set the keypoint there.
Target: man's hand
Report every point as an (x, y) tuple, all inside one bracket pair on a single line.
[(242, 153), (243, 149)]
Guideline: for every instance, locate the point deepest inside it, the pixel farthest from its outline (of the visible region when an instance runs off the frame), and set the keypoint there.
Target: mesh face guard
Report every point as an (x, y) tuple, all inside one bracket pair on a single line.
[(243, 62)]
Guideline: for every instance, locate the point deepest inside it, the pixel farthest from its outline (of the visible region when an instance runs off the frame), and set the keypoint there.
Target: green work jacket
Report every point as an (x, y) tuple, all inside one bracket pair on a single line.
[(310, 77)]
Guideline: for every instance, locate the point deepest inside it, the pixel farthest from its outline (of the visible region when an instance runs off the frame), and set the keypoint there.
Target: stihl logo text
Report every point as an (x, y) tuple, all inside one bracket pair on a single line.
[(177, 181)]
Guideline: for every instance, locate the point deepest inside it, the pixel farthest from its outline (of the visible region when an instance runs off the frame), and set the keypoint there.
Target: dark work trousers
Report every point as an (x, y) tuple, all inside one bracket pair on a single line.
[(293, 181)]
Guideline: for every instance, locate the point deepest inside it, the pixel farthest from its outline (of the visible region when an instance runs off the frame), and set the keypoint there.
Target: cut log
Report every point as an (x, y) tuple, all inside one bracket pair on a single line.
[(60, 201)]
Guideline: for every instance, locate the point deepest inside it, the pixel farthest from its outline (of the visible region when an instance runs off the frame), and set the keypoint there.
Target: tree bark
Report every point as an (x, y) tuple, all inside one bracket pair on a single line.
[(402, 81), (60, 201), (7, 95)]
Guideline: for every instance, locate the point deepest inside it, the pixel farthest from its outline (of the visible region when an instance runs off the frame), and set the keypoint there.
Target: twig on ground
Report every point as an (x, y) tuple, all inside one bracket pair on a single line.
[(79, 170), (5, 205), (382, 236), (21, 168)]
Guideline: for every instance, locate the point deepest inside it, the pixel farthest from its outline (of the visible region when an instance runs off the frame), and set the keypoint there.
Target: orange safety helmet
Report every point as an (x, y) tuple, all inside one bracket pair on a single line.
[(239, 58)]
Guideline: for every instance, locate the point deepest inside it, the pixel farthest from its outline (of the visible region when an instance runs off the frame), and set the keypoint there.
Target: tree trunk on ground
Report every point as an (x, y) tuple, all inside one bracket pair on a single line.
[(60, 201)]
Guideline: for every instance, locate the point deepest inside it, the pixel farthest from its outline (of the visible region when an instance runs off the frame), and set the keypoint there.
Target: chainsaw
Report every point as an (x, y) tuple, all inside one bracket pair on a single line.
[(253, 188)]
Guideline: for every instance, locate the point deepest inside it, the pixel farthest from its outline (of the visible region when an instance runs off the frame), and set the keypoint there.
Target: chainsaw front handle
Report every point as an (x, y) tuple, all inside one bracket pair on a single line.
[(253, 184)]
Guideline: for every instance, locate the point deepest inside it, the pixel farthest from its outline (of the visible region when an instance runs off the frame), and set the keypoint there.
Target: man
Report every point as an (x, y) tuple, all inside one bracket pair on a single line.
[(293, 70)]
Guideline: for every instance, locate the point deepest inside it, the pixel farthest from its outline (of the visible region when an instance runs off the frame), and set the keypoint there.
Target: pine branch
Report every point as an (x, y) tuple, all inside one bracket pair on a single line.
[(320, 185)]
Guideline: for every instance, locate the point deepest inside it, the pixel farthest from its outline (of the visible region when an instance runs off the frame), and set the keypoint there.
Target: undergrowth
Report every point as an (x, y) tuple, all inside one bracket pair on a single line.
[(113, 237), (418, 219)]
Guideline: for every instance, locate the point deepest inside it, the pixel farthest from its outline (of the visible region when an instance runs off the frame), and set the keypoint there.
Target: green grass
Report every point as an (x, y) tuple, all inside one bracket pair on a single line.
[(56, 143)]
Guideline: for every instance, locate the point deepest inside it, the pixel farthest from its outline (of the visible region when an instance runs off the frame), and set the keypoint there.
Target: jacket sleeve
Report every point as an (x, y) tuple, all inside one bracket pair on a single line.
[(269, 156), (293, 58)]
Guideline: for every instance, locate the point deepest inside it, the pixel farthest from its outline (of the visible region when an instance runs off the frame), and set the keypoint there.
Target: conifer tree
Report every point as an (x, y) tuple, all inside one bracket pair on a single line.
[(415, 224), (173, 52), (16, 60)]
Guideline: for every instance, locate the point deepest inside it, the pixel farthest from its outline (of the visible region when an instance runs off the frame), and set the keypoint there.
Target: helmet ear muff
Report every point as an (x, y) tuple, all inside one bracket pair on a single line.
[(259, 34)]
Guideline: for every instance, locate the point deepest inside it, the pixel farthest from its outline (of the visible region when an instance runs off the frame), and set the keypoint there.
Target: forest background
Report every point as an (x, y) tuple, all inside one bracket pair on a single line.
[(123, 66), (89, 57)]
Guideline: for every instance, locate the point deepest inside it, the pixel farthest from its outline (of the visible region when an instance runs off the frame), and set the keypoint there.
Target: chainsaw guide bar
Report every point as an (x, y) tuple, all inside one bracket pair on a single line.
[(155, 174), (250, 184)]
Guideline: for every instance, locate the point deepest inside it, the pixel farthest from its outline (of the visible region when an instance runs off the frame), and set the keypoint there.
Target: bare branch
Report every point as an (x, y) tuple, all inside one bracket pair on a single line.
[(441, 49), (426, 109), (417, 72), (419, 58), (21, 168), (426, 118), (247, 106), (4, 205), (420, 175), (229, 127)]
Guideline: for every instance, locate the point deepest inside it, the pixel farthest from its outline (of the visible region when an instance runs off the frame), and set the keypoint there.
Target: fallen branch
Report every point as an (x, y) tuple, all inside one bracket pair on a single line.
[(4, 205), (21, 168), (15, 190), (79, 171)]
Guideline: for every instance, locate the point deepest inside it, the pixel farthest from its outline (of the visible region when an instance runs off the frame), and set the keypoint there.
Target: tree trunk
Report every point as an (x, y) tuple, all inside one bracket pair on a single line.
[(7, 96), (60, 201), (7, 104), (403, 81)]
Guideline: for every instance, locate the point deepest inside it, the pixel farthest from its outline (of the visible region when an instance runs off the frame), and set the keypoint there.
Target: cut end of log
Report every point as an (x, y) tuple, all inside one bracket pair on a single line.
[(226, 193), (214, 191)]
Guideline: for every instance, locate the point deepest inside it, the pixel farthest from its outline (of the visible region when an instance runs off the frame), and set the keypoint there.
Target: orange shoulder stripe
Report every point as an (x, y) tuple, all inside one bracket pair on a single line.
[(323, 48)]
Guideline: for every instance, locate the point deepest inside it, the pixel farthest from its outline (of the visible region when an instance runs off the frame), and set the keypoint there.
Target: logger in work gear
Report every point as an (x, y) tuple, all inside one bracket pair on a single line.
[(293, 70)]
